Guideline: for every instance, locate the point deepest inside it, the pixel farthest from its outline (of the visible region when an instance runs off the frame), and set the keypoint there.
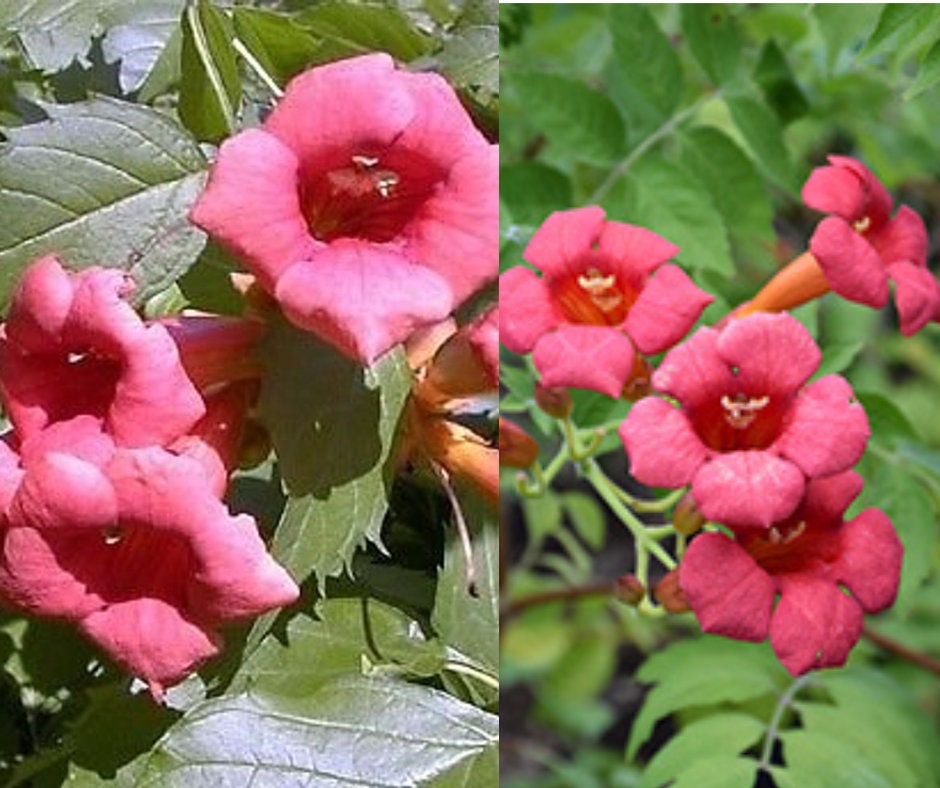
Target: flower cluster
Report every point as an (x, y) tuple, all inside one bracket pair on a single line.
[(766, 450), (112, 476)]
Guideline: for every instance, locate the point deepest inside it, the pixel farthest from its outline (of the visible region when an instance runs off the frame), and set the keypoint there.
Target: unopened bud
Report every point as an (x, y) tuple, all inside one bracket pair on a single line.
[(670, 594), (630, 589), (556, 402), (639, 384), (686, 518), (516, 448)]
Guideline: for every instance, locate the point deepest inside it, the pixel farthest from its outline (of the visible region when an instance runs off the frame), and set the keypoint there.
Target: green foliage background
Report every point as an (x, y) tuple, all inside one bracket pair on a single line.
[(384, 673), (701, 122)]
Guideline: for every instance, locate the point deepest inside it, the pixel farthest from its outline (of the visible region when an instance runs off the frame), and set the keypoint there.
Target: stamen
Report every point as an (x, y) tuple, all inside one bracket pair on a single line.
[(385, 182), (778, 538), (112, 535), (76, 358), (601, 289), (740, 411), (862, 224), (365, 162)]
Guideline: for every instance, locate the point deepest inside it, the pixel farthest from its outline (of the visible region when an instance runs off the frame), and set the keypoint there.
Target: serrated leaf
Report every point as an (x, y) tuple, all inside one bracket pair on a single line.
[(897, 22), (904, 499), (467, 623), (764, 137), (887, 420), (470, 57), (54, 33), (701, 672), (645, 57), (280, 45), (354, 29), (210, 86), (819, 759), (713, 37), (733, 182), (332, 424), (579, 122), (723, 736), (102, 182), (347, 635), (663, 197), (533, 190), (929, 73)]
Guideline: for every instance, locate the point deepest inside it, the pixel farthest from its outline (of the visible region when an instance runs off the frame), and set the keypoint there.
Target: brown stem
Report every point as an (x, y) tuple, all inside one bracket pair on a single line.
[(518, 606), (906, 653)]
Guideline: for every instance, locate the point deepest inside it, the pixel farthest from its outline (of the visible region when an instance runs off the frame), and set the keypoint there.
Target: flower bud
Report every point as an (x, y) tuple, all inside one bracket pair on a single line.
[(630, 589), (556, 402), (516, 448), (639, 384), (670, 594), (686, 518)]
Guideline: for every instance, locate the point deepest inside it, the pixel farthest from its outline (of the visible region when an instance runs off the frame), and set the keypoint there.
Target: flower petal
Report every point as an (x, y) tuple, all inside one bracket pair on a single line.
[(251, 204), (835, 190), (693, 372), (916, 294), (636, 250), (903, 238), (376, 107), (40, 306), (663, 448), (774, 353), (456, 233), (729, 593), (563, 238), (360, 299), (588, 357), (827, 498), (814, 626), (665, 311), (826, 430), (527, 312), (748, 488), (851, 265), (870, 560), (151, 640)]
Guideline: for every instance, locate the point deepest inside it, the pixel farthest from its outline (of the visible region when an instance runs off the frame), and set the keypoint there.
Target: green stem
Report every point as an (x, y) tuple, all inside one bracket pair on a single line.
[(786, 700), (475, 673), (656, 505), (640, 150), (606, 489)]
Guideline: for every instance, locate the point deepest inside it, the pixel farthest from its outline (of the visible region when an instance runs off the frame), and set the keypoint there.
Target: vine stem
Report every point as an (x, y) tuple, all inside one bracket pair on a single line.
[(607, 491), (640, 150), (518, 606), (908, 654), (773, 728)]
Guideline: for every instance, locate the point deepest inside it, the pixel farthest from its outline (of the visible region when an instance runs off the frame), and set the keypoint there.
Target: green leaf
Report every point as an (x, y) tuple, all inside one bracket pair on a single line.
[(815, 758), (723, 736), (713, 38), (701, 672), (904, 499), (886, 419), (844, 25), (929, 73), (210, 88), (55, 33), (718, 771), (465, 622), (533, 190), (333, 425), (898, 22), (355, 29), (470, 57), (838, 356), (580, 123), (543, 517), (587, 517), (352, 731), (645, 57), (761, 131), (660, 195), (348, 635), (735, 186), (282, 47), (101, 182), (778, 84)]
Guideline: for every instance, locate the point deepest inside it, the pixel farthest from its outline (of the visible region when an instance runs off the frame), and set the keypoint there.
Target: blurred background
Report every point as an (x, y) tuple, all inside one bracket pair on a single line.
[(702, 122)]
